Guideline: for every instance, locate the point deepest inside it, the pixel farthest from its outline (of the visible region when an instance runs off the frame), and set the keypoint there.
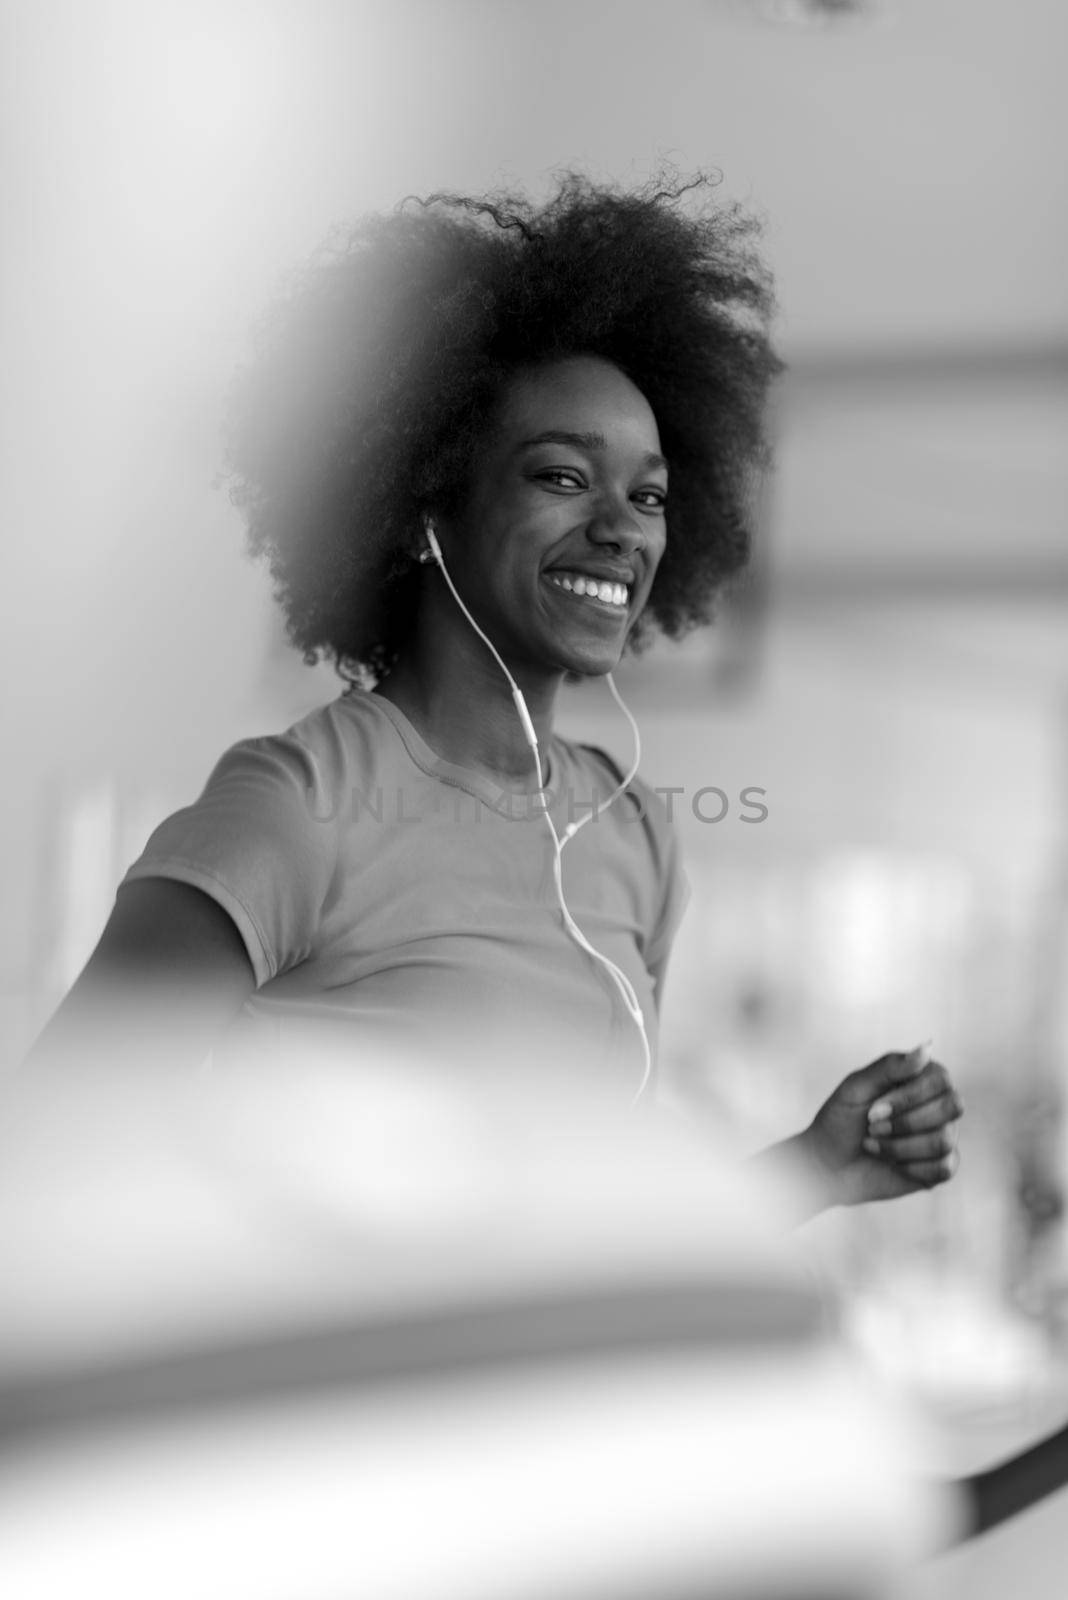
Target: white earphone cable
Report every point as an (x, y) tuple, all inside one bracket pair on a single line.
[(619, 977)]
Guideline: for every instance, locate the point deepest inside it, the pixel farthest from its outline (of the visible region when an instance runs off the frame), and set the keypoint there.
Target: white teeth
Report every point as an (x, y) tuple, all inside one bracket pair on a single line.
[(614, 594)]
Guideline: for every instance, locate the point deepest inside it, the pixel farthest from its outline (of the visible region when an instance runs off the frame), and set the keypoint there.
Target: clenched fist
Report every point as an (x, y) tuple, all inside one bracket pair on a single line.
[(887, 1130)]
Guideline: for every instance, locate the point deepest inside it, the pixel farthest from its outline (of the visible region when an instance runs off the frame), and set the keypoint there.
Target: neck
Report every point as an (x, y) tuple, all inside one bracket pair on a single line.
[(454, 693)]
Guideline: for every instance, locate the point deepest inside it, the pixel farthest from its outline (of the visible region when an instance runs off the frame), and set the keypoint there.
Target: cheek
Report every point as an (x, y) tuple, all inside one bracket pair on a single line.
[(655, 558)]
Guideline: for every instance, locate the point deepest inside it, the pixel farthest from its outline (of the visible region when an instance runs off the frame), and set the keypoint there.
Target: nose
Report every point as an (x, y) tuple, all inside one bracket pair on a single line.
[(615, 522)]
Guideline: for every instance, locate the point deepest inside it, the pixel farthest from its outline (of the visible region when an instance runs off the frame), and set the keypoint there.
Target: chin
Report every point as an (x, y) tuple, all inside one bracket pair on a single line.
[(576, 665)]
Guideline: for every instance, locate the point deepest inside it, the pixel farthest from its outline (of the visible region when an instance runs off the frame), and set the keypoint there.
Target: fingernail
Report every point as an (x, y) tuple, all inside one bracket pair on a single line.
[(914, 1061), (881, 1111), (880, 1130), (871, 1146)]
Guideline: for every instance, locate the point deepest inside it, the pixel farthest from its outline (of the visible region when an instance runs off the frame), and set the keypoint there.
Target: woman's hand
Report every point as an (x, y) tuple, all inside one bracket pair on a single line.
[(887, 1130)]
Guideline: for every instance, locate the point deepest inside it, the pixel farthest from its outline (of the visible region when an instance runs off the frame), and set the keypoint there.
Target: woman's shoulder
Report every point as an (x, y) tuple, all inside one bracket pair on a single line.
[(639, 813), (606, 773), (332, 743)]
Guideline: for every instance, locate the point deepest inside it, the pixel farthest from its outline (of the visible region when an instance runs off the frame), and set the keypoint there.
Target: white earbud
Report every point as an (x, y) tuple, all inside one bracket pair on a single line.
[(433, 549)]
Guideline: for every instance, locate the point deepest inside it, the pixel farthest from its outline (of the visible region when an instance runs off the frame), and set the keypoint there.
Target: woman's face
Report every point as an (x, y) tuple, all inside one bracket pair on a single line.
[(557, 546)]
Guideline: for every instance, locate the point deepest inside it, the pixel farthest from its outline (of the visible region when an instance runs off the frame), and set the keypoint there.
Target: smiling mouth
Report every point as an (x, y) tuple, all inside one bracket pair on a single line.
[(612, 596)]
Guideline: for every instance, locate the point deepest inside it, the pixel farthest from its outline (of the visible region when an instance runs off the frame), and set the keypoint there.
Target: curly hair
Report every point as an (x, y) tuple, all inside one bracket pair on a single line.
[(375, 376)]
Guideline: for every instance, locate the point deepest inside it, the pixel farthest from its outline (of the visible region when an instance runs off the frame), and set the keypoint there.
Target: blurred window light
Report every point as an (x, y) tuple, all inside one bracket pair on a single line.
[(877, 920)]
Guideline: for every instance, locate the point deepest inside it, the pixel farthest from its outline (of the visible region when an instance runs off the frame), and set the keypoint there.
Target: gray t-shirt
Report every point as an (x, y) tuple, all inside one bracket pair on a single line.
[(409, 900)]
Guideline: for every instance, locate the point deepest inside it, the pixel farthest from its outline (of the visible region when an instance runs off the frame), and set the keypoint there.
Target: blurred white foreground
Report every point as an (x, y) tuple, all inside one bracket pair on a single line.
[(320, 1332)]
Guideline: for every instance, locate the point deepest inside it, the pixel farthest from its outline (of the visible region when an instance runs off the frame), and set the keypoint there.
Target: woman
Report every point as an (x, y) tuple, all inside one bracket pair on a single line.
[(454, 449)]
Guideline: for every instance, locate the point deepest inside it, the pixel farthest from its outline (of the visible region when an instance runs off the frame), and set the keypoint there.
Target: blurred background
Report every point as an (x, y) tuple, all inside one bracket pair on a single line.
[(892, 677)]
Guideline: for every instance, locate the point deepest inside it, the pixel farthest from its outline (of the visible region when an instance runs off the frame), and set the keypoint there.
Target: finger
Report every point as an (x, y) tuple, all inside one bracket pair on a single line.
[(932, 1173), (935, 1113), (933, 1082), (920, 1147), (868, 1083)]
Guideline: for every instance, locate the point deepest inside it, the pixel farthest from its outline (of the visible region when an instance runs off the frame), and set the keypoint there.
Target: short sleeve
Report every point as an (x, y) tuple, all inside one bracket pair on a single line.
[(260, 841)]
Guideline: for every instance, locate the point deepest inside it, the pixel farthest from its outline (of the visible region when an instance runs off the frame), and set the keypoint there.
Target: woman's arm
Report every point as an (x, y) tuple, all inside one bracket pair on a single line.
[(169, 974)]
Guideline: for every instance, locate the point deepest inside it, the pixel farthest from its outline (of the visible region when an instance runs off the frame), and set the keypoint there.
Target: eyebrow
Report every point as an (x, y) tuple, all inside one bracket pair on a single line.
[(585, 441)]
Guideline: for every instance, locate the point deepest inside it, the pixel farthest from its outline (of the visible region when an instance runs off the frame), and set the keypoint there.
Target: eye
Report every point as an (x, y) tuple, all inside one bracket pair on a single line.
[(567, 476), (652, 499)]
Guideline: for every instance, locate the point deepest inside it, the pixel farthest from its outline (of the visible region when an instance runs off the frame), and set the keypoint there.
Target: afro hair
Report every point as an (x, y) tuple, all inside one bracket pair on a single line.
[(374, 379)]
